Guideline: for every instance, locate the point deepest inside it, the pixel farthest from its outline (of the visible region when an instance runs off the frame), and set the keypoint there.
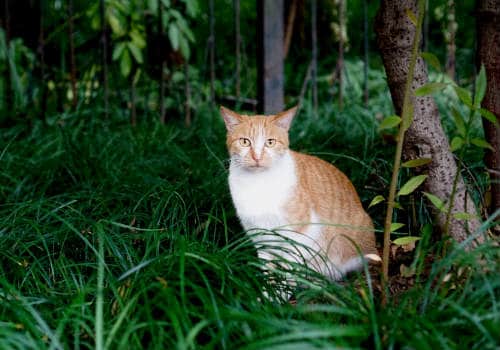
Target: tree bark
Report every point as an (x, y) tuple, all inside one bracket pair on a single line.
[(488, 46), (425, 137), (289, 27), (450, 39), (340, 61)]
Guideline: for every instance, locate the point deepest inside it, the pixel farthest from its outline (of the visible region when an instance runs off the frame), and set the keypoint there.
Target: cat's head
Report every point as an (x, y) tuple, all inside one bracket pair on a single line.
[(257, 142)]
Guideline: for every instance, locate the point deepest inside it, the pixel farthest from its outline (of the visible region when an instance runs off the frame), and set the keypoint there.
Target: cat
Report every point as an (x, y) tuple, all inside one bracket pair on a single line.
[(301, 197)]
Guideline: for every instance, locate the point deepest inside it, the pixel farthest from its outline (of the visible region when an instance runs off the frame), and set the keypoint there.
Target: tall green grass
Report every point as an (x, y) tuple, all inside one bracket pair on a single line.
[(114, 237)]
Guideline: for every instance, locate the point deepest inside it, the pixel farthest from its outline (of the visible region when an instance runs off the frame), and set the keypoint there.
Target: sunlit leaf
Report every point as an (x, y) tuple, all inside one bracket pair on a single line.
[(429, 89), (456, 143), (431, 60), (416, 162), (480, 87), (463, 95), (481, 143), (464, 216), (390, 122), (396, 226), (125, 63), (136, 52), (488, 115), (173, 35), (411, 185), (376, 200), (406, 240), (118, 50), (436, 201)]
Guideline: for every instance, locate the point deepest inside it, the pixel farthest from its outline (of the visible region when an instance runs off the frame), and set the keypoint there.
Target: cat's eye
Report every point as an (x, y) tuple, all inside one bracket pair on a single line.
[(270, 142), (245, 142)]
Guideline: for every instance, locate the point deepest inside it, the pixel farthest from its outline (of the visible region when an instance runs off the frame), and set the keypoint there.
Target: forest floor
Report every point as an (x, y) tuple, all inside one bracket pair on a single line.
[(120, 237)]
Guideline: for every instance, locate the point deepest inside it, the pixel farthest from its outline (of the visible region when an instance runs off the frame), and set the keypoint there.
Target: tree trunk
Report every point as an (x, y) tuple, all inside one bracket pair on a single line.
[(450, 33), (72, 59), (133, 110), (340, 61), (238, 46), (41, 54), (425, 137), (270, 87), (289, 27), (163, 64), (488, 45), (314, 61), (104, 58), (8, 83), (366, 52), (211, 42)]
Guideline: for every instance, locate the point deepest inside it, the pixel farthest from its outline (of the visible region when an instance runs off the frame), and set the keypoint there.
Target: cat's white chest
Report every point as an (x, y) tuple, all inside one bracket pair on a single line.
[(260, 197)]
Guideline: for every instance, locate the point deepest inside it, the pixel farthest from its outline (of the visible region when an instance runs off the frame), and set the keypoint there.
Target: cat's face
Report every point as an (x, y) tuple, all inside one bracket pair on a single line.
[(255, 143)]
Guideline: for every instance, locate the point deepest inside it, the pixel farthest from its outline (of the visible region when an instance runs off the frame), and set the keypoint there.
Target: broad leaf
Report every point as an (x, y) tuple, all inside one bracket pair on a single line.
[(406, 240), (459, 121), (456, 143), (480, 87), (136, 52), (488, 115), (436, 201), (429, 89), (416, 162), (118, 50), (173, 35), (396, 226), (125, 64), (411, 185), (431, 60), (376, 200), (464, 96), (481, 143), (390, 122)]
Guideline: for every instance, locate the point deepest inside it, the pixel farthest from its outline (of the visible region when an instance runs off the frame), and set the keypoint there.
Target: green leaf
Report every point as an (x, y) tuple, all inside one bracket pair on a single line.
[(411, 16), (173, 35), (390, 122), (429, 89), (459, 121), (431, 60), (136, 52), (480, 87), (464, 96), (125, 64), (185, 50), (376, 200), (115, 24), (396, 226), (481, 143), (137, 39), (488, 115), (416, 162), (411, 185), (436, 201), (398, 206), (118, 50), (137, 75), (408, 116), (406, 240), (464, 216), (456, 143)]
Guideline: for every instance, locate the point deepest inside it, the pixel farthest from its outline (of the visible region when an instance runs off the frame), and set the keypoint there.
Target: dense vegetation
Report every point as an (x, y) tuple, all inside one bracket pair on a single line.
[(113, 236)]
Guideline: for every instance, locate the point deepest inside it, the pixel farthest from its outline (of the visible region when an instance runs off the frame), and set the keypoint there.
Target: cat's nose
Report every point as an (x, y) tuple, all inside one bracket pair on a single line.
[(255, 156)]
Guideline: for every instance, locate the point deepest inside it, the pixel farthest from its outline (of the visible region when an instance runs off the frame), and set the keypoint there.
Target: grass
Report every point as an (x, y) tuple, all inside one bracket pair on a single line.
[(114, 237)]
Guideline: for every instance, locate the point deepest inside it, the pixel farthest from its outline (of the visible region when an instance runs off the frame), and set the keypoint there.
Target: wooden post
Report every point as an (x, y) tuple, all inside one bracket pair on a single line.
[(270, 56)]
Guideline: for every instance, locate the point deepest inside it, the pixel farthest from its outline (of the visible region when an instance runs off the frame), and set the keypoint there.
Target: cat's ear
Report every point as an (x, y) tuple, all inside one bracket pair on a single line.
[(232, 119), (284, 119)]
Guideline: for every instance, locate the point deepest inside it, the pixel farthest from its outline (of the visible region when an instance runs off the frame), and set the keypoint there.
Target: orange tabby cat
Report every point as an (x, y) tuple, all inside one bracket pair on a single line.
[(302, 197)]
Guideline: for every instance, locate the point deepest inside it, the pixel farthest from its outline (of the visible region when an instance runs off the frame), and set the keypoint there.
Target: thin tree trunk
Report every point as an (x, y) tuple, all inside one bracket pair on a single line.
[(72, 58), (163, 65), (450, 39), (104, 52), (366, 52), (426, 27), (314, 61), (289, 26), (340, 61), (488, 39), (238, 46), (425, 137), (211, 41), (41, 54), (8, 83), (187, 92)]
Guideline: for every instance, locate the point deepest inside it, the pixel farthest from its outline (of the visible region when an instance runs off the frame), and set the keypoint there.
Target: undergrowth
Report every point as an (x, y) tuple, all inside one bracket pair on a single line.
[(118, 237)]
